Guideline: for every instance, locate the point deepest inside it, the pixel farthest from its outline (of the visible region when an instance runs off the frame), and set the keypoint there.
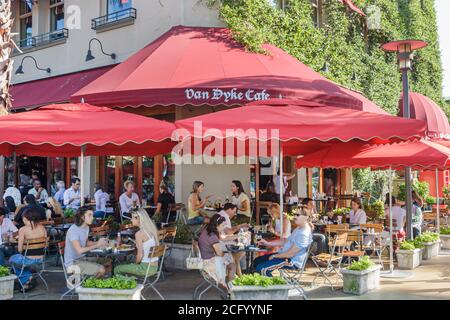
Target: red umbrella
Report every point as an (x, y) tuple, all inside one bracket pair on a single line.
[(420, 154), (62, 129), (299, 124)]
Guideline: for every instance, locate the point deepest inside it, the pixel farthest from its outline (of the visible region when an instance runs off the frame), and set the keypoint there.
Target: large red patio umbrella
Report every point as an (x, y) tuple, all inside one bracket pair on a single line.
[(420, 155), (62, 129)]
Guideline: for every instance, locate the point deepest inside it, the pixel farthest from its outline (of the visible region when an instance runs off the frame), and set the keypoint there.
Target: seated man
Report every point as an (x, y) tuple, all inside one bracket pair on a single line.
[(7, 228), (294, 249)]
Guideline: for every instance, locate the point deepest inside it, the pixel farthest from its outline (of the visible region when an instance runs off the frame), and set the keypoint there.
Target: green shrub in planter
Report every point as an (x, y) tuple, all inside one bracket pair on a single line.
[(407, 245), (117, 282), (428, 237), (4, 271), (256, 279), (445, 230), (362, 264), (69, 213), (258, 287)]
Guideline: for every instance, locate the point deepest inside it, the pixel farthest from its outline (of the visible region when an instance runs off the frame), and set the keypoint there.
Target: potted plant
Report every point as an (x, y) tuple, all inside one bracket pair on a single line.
[(69, 214), (430, 242), (409, 256), (6, 283), (375, 210), (361, 276), (181, 247), (445, 237), (115, 288), (258, 287)]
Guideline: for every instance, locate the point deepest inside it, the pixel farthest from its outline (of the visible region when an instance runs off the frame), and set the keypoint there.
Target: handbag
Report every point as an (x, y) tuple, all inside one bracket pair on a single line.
[(192, 262)]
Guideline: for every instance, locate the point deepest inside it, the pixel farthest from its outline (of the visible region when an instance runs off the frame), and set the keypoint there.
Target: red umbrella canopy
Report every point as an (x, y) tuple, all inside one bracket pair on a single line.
[(205, 66), (421, 154), (298, 124), (61, 130)]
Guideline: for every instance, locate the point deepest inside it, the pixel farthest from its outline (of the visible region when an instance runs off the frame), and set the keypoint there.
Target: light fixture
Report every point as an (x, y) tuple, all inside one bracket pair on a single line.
[(89, 55), (325, 68), (20, 68)]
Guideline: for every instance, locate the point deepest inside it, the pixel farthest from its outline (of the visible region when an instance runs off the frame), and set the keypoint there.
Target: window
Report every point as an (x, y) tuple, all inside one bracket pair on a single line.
[(26, 23), (56, 15), (117, 5)]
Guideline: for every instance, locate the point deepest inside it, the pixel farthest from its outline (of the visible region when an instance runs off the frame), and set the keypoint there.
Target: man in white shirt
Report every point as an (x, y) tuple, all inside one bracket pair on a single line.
[(13, 192), (72, 196), (286, 178), (398, 217), (39, 193), (6, 228)]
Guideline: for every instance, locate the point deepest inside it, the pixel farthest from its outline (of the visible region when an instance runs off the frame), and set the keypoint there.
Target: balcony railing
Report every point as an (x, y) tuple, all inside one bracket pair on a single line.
[(44, 39), (113, 18)]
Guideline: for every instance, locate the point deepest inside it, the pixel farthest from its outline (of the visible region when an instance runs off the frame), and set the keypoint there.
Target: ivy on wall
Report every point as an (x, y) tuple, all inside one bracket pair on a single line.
[(345, 43)]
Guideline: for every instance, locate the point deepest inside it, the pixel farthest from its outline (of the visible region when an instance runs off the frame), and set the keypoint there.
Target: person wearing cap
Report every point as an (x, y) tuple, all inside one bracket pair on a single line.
[(293, 252)]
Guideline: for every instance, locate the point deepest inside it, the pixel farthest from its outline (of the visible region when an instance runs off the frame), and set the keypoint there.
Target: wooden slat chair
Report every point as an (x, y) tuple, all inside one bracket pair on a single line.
[(332, 230), (157, 252), (329, 263), (429, 220), (38, 269), (354, 238), (168, 238), (161, 234), (376, 243), (100, 231)]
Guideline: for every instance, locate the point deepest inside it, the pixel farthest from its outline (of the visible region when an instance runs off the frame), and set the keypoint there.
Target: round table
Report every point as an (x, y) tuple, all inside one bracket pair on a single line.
[(113, 254)]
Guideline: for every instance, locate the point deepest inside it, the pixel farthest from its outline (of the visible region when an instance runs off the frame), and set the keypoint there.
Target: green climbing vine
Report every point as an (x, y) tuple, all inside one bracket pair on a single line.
[(352, 51)]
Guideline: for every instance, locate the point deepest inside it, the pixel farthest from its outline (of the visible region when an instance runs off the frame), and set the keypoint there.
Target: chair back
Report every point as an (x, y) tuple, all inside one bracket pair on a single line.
[(159, 253), (354, 236), (339, 243), (170, 233), (377, 227), (47, 223), (100, 231), (58, 220), (37, 244), (430, 216), (124, 227), (162, 234), (336, 228)]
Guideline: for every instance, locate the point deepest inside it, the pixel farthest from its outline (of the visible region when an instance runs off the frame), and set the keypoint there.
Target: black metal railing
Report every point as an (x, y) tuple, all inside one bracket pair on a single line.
[(115, 17), (44, 39)]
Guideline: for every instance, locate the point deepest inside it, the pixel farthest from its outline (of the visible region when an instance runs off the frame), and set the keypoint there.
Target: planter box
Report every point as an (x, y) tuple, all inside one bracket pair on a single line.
[(445, 241), (7, 287), (409, 259), (109, 294), (279, 292), (360, 282), (177, 259), (430, 250)]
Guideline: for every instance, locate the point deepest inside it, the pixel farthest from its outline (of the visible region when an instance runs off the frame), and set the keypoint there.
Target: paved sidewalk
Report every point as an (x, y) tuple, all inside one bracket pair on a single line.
[(429, 281)]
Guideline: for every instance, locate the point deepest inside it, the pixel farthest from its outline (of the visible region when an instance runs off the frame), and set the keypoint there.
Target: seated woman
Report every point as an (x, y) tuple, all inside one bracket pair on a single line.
[(294, 249), (195, 203), (274, 212), (240, 199), (146, 239), (30, 231), (215, 262), (357, 214), (54, 209), (77, 245), (165, 199)]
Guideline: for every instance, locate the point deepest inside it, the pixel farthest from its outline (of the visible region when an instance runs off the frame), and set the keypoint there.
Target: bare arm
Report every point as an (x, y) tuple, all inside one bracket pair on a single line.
[(139, 246), (21, 240), (158, 208), (218, 250), (89, 246), (288, 254)]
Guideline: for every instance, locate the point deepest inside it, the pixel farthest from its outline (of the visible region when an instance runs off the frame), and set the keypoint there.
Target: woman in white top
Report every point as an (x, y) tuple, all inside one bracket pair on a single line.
[(274, 212), (357, 214), (129, 199), (146, 239)]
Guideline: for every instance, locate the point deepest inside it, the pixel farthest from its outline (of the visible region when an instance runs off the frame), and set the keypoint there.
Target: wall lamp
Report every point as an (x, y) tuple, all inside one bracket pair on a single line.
[(89, 55), (20, 68)]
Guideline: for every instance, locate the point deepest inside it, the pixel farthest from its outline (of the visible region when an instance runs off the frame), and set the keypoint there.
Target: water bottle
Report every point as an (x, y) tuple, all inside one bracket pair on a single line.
[(119, 240)]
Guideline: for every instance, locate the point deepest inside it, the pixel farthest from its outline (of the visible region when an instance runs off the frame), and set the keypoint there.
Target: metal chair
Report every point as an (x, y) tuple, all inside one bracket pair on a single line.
[(374, 244), (293, 276), (74, 280), (157, 252), (327, 263), (354, 238), (39, 268)]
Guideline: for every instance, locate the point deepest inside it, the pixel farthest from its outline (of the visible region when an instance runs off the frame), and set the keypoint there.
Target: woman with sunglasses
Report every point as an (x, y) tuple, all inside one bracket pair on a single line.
[(146, 238), (293, 252)]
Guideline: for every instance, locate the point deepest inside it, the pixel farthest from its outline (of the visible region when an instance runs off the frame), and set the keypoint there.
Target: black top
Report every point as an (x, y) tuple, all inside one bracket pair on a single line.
[(269, 196), (40, 209), (165, 199)]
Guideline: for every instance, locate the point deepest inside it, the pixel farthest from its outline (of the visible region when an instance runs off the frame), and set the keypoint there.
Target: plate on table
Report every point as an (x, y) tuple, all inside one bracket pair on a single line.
[(233, 247), (125, 248), (97, 251)]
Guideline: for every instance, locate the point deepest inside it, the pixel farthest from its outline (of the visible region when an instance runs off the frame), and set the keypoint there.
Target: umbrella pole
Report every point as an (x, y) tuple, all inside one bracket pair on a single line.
[(391, 242), (280, 159), (438, 229), (83, 150)]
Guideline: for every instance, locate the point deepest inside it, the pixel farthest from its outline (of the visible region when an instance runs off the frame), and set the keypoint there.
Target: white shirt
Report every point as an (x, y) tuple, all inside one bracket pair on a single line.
[(126, 203), (43, 197), (70, 194), (224, 214), (101, 198), (286, 233), (7, 226), (276, 182), (358, 218), (15, 194), (398, 216)]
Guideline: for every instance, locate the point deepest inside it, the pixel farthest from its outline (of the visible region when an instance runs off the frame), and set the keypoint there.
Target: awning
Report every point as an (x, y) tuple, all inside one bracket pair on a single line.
[(423, 108), (57, 89), (205, 66)]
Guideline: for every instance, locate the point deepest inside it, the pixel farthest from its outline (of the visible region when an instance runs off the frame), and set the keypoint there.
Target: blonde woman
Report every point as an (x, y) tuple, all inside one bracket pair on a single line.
[(195, 203), (274, 212), (54, 209), (146, 239)]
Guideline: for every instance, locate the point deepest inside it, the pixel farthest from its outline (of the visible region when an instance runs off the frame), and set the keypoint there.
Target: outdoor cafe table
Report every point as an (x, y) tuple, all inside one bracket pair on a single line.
[(113, 254), (249, 254)]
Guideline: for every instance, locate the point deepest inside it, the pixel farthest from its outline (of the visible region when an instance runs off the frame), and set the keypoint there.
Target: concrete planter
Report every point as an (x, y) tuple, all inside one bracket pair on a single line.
[(177, 259), (409, 259), (430, 250), (360, 282), (7, 287), (279, 292), (109, 294), (445, 241)]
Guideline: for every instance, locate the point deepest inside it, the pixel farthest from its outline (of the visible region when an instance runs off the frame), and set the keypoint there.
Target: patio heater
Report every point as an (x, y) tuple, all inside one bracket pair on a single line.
[(404, 50)]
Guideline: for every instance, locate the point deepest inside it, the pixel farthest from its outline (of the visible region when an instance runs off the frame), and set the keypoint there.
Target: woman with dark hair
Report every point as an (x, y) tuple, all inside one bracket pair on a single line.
[(240, 199), (30, 231), (215, 262), (195, 203), (77, 245), (165, 199), (10, 204), (357, 214)]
